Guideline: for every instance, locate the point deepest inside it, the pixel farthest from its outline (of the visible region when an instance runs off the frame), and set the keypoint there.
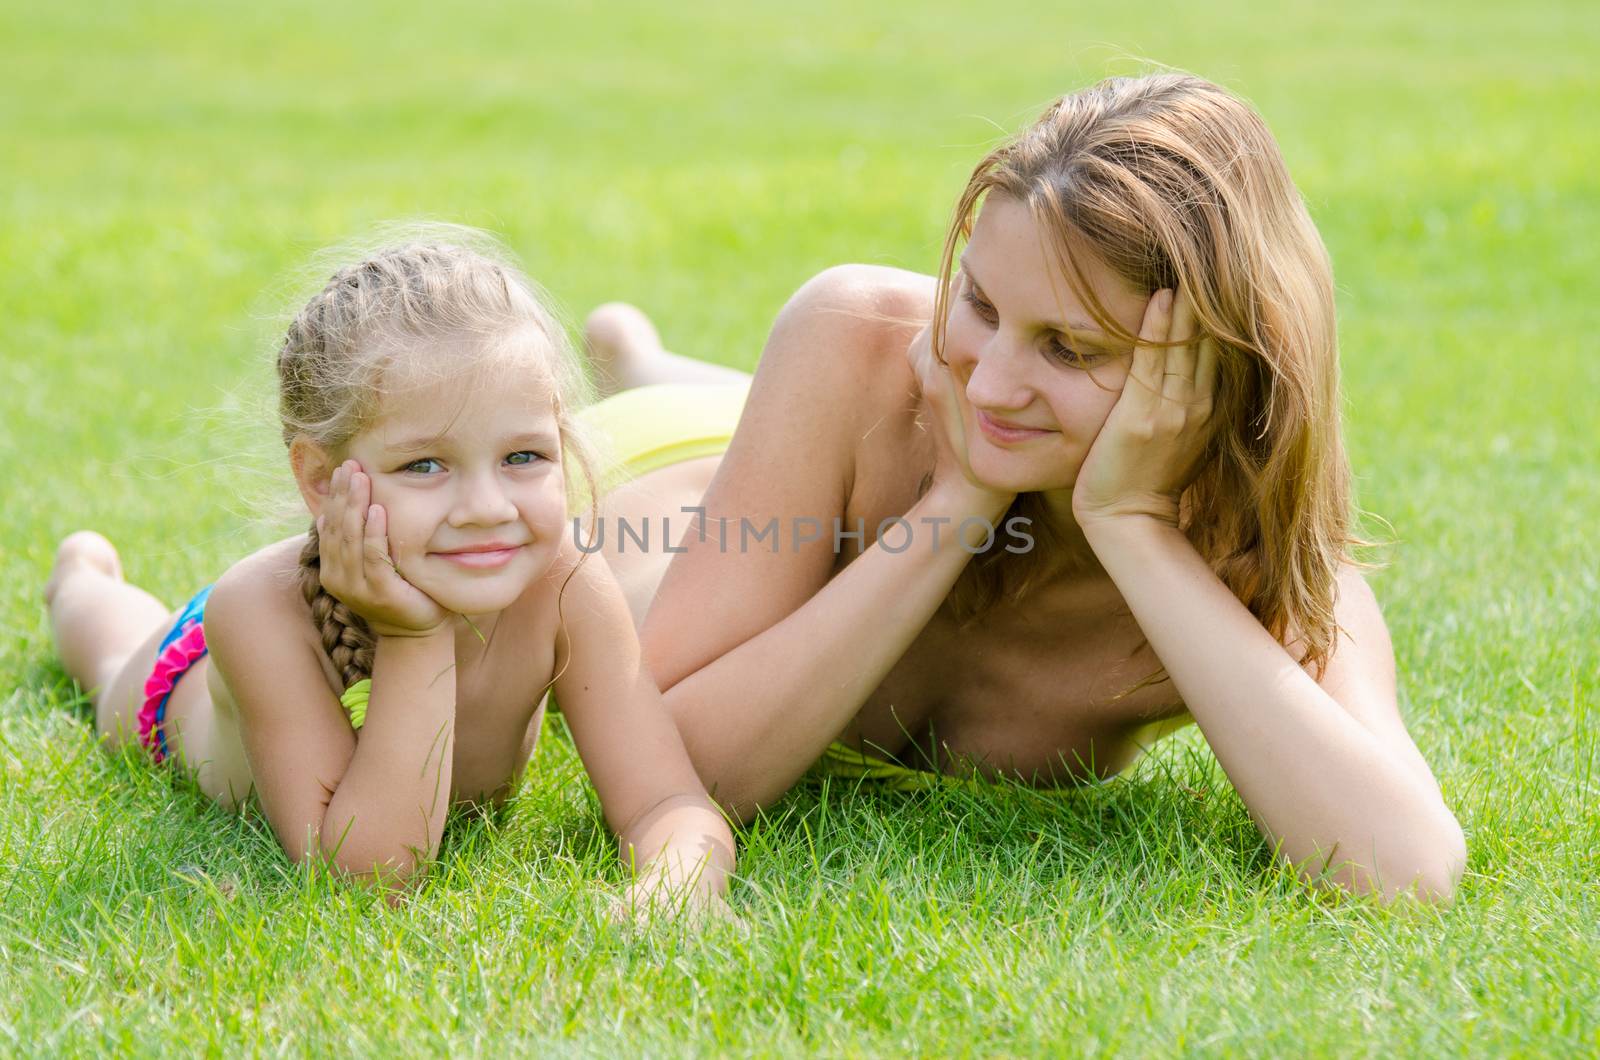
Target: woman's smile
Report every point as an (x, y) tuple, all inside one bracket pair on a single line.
[(1004, 432)]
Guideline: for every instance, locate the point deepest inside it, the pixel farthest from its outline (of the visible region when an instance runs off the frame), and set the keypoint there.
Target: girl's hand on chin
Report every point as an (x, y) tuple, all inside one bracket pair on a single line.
[(357, 568), (1154, 442), (952, 471)]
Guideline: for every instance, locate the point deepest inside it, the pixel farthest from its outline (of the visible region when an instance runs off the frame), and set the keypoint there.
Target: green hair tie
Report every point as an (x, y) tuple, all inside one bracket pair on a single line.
[(354, 700)]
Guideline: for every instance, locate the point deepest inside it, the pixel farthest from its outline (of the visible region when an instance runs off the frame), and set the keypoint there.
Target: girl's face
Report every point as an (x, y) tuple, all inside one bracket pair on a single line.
[(1036, 377), (472, 483)]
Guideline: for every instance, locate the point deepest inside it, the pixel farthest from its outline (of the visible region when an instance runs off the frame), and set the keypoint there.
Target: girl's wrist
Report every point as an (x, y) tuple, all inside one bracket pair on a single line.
[(387, 632), (416, 640)]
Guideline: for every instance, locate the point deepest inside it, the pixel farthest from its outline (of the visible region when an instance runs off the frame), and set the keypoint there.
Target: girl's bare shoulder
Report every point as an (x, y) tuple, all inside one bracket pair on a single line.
[(262, 591), (259, 631)]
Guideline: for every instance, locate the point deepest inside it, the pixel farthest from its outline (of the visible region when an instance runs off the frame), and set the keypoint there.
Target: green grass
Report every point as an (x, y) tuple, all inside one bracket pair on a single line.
[(163, 165)]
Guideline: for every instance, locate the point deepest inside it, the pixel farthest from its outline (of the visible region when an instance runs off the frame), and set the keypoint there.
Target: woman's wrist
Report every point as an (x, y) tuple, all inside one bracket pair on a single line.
[(1113, 536), (962, 503)]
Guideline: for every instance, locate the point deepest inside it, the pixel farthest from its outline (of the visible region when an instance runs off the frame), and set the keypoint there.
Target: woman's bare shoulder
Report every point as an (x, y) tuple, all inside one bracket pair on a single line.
[(844, 334), (876, 306)]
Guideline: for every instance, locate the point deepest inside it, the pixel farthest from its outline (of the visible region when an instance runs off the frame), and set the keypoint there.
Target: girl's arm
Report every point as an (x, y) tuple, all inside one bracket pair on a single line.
[(672, 835), (373, 807), (762, 658), (1326, 769)]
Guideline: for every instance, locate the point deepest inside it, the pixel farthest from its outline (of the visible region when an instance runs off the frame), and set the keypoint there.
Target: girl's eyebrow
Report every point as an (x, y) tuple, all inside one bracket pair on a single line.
[(421, 442), (1076, 328), (414, 444)]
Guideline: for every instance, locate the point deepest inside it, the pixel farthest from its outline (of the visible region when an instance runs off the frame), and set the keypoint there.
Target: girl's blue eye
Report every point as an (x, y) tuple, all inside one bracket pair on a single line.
[(426, 466), (523, 457)]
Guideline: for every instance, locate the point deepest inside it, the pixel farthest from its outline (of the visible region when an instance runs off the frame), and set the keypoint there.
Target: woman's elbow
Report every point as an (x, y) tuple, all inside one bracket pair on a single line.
[(1426, 871), (1447, 863)]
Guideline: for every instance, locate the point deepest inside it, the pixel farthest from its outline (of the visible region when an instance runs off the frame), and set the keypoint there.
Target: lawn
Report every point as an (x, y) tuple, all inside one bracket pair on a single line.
[(166, 172)]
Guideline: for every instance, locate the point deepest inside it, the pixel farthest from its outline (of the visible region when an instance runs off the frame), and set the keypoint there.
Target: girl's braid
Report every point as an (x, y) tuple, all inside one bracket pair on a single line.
[(345, 635)]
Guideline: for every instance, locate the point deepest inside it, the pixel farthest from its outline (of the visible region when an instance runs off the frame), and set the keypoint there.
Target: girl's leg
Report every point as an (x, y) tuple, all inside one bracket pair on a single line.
[(99, 620), (626, 352)]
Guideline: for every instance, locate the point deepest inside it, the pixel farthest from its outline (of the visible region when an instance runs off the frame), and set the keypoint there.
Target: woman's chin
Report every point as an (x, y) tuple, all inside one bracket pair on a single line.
[(1005, 472)]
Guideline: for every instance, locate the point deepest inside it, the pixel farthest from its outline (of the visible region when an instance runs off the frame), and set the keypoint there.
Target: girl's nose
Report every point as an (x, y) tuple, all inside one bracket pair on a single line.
[(482, 501)]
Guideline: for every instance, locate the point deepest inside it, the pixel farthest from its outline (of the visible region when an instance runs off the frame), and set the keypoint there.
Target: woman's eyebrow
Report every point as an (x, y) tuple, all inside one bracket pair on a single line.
[(1075, 328)]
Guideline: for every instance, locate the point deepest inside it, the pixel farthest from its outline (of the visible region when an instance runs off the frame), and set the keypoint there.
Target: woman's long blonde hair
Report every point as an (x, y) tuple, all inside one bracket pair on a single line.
[(444, 303), (1175, 183)]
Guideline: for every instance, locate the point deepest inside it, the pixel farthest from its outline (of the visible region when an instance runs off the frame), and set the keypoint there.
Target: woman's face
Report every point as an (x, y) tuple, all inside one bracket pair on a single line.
[(1037, 378)]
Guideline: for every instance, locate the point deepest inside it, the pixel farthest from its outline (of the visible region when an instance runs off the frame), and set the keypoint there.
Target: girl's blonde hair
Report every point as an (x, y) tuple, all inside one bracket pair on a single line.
[(1175, 183), (424, 309)]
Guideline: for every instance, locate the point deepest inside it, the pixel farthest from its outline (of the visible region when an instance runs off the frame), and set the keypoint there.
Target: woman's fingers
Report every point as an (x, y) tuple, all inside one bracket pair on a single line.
[(1205, 372), (1178, 373), (1149, 355)]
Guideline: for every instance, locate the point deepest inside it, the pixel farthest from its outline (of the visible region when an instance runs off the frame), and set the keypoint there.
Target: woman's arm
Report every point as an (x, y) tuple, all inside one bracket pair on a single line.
[(762, 658), (671, 833), (1327, 770)]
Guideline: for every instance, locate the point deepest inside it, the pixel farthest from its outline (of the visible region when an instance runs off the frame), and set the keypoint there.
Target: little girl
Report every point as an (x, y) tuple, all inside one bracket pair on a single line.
[(394, 659)]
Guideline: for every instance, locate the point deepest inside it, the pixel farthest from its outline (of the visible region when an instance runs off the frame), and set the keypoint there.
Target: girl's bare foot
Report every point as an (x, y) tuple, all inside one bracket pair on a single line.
[(84, 550)]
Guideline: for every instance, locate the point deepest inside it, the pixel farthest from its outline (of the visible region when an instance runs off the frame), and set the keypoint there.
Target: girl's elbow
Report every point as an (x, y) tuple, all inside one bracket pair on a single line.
[(373, 873), (370, 867)]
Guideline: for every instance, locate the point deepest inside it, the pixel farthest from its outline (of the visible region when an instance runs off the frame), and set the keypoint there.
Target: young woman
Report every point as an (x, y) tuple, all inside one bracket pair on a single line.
[(1131, 345)]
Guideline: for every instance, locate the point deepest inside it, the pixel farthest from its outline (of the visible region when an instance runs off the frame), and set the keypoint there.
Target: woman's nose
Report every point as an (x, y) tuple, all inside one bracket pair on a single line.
[(993, 378)]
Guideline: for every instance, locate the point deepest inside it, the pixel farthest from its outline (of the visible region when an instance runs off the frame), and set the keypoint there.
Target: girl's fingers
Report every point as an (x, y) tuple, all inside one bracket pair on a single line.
[(332, 516), (1178, 375), (375, 547), (1149, 356), (330, 527)]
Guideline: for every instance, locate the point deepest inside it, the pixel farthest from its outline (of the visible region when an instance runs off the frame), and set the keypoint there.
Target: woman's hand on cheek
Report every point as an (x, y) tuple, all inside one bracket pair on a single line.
[(952, 470), (357, 568), (1152, 444)]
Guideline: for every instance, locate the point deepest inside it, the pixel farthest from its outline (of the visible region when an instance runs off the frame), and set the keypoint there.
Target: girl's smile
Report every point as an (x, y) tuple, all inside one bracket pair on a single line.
[(480, 557)]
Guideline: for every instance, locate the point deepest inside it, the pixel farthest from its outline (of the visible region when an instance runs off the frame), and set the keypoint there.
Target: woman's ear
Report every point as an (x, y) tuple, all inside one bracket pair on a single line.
[(313, 470)]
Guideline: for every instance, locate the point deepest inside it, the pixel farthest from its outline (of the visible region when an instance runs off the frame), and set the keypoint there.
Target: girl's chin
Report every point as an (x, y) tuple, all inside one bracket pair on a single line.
[(478, 600)]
